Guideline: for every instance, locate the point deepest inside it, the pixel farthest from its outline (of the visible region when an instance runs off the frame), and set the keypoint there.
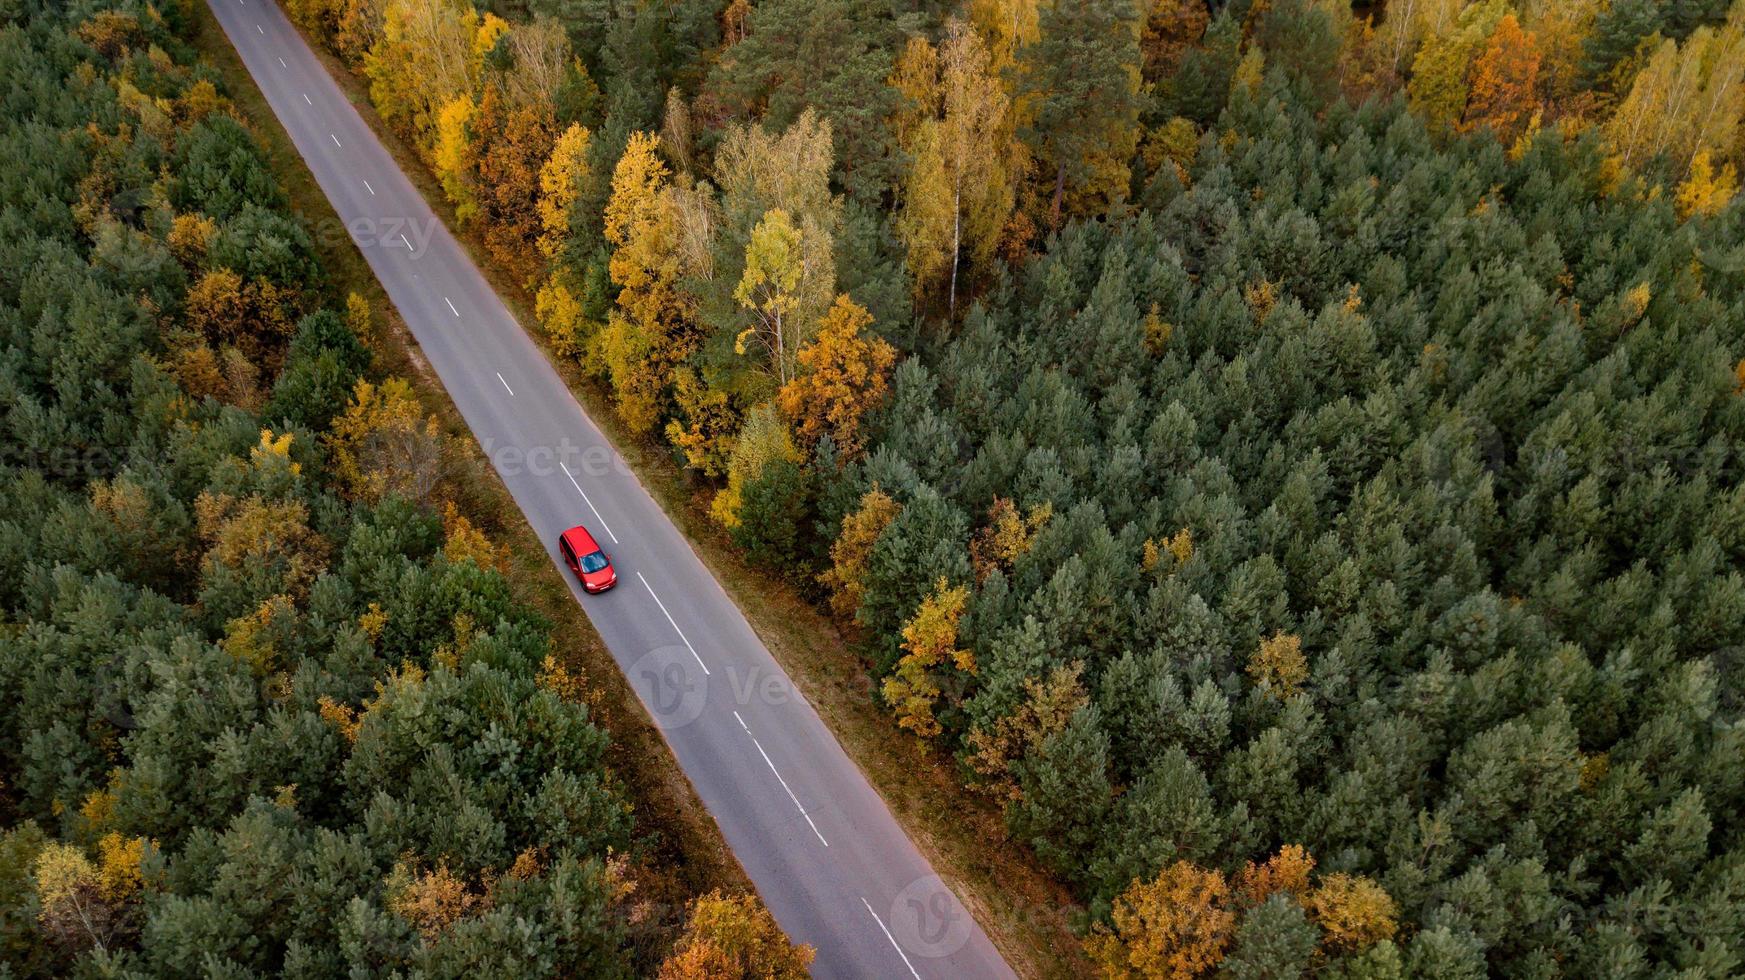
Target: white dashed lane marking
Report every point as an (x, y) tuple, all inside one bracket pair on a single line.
[(506, 387), (892, 938), (614, 537), (663, 612), (779, 779)]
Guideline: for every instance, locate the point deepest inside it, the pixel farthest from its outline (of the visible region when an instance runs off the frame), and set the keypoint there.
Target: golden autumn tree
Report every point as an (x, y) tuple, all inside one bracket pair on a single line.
[(513, 138), (759, 171), (1706, 189), (1354, 912), (86, 904), (256, 531), (463, 541), (646, 335), (929, 640), (190, 237), (763, 440), (1505, 82), (258, 638), (1006, 536), (1408, 24), (431, 901), (1048, 706), (853, 549), (384, 443), (249, 315), (562, 179), (1007, 26), (1690, 96), (1279, 666), (1286, 872), (769, 288), (915, 77), (424, 57), (358, 25), (453, 157), (1178, 926), (842, 375), (960, 188), (1561, 28), (733, 937), (1441, 79), (711, 425), (1171, 27)]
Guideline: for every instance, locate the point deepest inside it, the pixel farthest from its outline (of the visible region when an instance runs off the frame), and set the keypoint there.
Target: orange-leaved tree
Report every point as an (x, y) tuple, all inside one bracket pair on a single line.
[(842, 375), (1176, 926), (1505, 82)]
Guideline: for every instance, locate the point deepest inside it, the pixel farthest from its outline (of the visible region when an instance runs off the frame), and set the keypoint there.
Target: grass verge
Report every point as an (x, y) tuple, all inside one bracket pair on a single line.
[(1026, 913), (688, 848)]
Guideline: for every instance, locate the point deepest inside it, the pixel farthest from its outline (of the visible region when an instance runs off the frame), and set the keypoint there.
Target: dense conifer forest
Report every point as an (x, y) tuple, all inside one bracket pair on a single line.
[(1287, 457), (269, 707)]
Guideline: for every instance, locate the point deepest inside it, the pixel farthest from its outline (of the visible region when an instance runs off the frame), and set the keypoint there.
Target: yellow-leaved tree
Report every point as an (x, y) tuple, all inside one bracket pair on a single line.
[(762, 441), (423, 59), (853, 549), (453, 156), (1706, 189), (774, 263), (1354, 912), (733, 937), (562, 180), (86, 904), (384, 443), (1505, 82), (1689, 97), (1177, 926), (960, 188), (515, 138), (760, 172), (929, 640), (1006, 536), (647, 334), (1279, 666), (1442, 70), (1049, 704)]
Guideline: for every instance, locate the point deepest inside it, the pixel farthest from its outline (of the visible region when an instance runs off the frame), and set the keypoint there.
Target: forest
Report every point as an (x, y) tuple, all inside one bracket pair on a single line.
[(1287, 457), (270, 706)]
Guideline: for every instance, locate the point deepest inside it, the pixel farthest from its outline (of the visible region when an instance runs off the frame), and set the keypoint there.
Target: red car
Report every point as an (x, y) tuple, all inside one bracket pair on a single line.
[(584, 557)]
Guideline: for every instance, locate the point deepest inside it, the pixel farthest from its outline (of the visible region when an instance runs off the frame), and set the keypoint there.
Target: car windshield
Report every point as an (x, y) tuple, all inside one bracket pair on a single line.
[(594, 562)]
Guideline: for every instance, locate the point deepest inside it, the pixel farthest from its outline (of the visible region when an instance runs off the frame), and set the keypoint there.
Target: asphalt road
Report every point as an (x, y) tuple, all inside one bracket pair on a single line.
[(818, 842)]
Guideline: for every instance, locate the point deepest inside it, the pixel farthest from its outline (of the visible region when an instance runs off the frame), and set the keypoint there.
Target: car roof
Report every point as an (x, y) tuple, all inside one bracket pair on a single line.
[(581, 540)]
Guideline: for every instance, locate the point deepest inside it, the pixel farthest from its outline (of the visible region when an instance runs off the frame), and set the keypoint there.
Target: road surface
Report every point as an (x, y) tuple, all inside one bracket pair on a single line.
[(820, 845)]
